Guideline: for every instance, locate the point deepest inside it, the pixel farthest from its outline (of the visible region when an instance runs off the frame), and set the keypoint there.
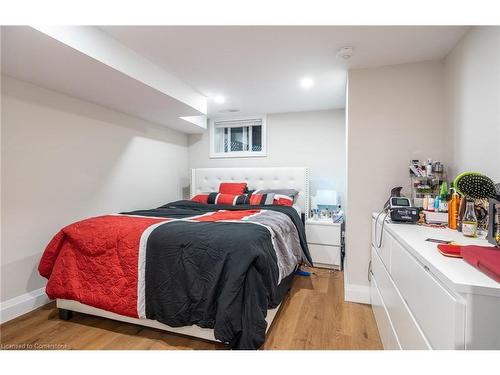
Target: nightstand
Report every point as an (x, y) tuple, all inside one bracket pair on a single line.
[(325, 240)]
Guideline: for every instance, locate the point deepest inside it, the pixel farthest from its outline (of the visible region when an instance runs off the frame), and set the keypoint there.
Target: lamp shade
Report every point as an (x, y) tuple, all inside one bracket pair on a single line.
[(326, 197)]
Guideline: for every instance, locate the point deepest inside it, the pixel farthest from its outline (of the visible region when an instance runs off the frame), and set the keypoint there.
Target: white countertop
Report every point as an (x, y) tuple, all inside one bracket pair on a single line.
[(456, 273)]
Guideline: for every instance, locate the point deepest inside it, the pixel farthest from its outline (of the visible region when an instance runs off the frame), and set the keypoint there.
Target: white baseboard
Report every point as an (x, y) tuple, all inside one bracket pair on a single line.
[(357, 293), (22, 304)]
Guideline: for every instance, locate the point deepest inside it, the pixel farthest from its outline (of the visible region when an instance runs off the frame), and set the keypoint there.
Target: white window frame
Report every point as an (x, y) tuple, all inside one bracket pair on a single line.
[(237, 154)]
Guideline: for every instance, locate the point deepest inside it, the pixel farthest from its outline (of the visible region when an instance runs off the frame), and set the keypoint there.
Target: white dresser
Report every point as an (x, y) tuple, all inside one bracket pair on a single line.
[(325, 240), (424, 300)]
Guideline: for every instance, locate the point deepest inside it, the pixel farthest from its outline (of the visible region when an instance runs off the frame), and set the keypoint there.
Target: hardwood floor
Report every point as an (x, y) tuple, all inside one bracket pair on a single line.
[(314, 316)]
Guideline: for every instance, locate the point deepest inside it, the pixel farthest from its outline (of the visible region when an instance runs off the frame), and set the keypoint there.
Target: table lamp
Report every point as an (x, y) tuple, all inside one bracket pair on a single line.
[(326, 198)]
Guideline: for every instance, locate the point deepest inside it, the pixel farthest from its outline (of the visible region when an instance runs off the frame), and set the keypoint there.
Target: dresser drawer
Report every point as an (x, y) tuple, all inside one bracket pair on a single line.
[(323, 234), (384, 324), (439, 314), (408, 332), (325, 255)]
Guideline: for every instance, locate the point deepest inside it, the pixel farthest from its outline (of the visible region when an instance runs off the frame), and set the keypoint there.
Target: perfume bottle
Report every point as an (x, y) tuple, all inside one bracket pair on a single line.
[(469, 221)]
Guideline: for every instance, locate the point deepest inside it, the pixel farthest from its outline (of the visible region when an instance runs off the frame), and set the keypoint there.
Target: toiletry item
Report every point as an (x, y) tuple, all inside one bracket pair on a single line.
[(474, 185), (443, 205), (423, 170), (425, 202), (428, 168), (444, 190), (453, 207), (438, 168), (469, 222), (437, 203), (443, 201), (430, 204), (414, 170)]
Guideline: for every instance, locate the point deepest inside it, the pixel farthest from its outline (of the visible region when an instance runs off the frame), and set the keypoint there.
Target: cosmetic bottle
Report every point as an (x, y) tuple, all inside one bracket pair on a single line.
[(428, 168), (430, 204), (437, 203), (443, 201), (453, 207), (469, 221)]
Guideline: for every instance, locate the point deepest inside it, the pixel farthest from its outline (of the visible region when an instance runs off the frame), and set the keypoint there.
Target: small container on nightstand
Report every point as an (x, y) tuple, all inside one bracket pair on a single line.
[(326, 243)]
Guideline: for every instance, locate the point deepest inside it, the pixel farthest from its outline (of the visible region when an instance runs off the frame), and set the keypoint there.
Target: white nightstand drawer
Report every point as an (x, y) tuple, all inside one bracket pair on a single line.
[(325, 255), (323, 234)]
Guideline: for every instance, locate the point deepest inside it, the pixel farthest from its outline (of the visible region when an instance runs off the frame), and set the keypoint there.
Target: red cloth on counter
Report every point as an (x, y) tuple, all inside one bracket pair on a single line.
[(485, 259)]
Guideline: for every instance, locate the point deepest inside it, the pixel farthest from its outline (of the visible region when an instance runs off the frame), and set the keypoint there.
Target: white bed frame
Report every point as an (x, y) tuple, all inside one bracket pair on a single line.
[(205, 180), (193, 331)]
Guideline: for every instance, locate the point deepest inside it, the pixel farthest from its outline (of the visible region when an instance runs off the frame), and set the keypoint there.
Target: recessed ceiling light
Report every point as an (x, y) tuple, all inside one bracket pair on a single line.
[(219, 99), (306, 82)]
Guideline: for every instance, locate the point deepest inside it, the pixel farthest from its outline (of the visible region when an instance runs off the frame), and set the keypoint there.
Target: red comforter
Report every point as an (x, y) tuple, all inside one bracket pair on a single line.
[(95, 261)]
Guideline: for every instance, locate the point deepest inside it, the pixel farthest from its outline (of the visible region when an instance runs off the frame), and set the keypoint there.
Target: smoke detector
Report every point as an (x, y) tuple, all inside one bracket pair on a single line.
[(344, 53)]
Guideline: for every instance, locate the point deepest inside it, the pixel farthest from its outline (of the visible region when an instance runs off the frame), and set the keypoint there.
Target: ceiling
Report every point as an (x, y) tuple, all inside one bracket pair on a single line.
[(257, 69), (94, 67)]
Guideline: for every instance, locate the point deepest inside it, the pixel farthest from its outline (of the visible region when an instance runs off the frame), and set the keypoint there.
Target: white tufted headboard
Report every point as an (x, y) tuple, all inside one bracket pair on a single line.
[(205, 180)]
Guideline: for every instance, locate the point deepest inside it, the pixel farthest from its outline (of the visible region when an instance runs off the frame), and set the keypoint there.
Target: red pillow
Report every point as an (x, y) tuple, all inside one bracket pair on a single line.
[(200, 198), (283, 200), (234, 199), (261, 199), (227, 199), (235, 188), (218, 198)]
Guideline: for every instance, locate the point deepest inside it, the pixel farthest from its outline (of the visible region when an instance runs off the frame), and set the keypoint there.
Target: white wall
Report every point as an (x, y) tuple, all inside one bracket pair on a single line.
[(395, 114), (64, 159), (472, 73), (313, 139)]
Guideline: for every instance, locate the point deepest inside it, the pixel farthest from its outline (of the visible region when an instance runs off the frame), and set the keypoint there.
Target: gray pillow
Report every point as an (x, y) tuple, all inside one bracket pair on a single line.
[(292, 193)]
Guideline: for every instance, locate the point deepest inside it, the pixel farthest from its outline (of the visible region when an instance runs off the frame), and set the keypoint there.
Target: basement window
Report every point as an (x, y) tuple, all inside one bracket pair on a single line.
[(245, 137)]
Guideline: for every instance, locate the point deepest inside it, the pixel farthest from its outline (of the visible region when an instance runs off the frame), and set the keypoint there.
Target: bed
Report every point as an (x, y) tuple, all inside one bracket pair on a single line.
[(213, 272)]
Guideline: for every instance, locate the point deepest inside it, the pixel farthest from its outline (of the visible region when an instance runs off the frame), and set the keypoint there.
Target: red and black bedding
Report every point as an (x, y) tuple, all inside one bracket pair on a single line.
[(184, 263)]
